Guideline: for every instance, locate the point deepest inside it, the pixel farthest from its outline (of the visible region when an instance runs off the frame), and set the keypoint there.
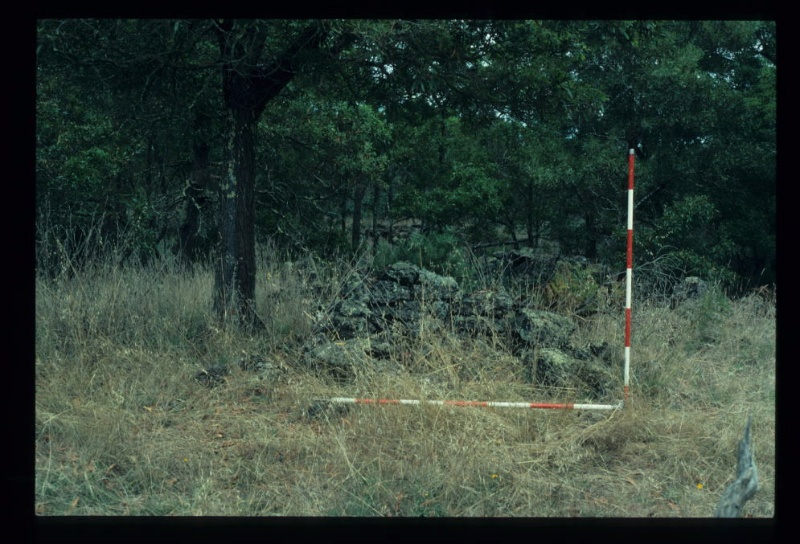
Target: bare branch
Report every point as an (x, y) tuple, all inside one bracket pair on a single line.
[(746, 484)]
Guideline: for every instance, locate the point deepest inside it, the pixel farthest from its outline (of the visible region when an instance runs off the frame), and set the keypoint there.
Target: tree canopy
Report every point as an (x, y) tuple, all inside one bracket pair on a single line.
[(203, 136)]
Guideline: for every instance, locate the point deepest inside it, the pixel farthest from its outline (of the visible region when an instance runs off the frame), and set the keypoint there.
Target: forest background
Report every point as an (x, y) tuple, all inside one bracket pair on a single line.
[(200, 138)]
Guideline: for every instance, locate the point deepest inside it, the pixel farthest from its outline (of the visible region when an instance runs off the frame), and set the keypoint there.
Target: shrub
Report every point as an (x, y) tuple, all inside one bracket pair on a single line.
[(440, 252)]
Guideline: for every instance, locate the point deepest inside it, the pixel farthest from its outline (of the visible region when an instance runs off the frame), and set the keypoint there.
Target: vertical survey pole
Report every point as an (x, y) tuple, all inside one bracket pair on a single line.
[(629, 277)]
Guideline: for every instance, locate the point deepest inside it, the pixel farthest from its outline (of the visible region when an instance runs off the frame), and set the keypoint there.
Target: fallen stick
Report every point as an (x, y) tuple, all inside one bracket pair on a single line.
[(746, 483)]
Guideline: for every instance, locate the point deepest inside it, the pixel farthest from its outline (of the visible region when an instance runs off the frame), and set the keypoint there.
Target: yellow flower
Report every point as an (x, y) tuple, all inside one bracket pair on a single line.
[(699, 486), (494, 476)]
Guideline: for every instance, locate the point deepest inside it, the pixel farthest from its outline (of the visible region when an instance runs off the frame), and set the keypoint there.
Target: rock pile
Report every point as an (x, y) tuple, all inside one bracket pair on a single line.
[(373, 314), (690, 288)]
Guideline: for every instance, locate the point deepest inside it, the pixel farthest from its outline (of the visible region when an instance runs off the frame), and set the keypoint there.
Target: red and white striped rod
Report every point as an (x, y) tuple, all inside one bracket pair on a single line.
[(477, 403), (629, 276)]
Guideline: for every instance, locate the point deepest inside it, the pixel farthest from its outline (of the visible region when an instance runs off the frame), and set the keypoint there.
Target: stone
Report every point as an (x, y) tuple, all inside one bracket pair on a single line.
[(543, 329), (402, 273), (389, 293), (432, 286), (339, 358), (476, 325), (554, 367), (255, 363), (691, 288), (213, 375), (486, 302)]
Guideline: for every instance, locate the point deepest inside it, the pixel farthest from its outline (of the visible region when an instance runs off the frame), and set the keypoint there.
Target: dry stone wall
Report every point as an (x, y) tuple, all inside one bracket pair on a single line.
[(374, 313)]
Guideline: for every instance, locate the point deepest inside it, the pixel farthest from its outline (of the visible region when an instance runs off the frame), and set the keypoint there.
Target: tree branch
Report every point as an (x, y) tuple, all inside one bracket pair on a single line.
[(746, 484)]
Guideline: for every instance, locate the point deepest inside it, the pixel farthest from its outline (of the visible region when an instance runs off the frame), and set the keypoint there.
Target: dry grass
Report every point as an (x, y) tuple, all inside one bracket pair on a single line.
[(122, 429)]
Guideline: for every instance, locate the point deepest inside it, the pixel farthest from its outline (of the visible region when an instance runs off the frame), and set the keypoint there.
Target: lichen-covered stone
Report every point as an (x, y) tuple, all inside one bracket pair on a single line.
[(543, 329), (487, 302)]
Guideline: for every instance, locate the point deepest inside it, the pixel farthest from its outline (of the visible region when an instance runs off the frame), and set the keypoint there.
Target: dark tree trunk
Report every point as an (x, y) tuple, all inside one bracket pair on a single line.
[(247, 86), (443, 129), (375, 196), (529, 216), (189, 235), (389, 203), (358, 200), (235, 279), (343, 214), (590, 249), (513, 230)]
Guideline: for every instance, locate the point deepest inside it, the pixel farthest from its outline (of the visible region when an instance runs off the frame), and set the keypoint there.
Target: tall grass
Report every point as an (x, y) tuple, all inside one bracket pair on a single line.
[(123, 429)]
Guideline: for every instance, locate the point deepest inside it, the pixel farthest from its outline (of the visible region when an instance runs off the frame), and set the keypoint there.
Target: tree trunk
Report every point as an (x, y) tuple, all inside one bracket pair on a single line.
[(443, 129), (358, 200), (590, 248), (375, 197), (343, 214), (529, 216), (236, 268), (247, 86), (189, 243), (511, 227), (389, 202)]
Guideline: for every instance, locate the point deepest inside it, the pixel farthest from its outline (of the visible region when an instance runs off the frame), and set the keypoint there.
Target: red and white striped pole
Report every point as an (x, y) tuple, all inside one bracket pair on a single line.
[(628, 278)]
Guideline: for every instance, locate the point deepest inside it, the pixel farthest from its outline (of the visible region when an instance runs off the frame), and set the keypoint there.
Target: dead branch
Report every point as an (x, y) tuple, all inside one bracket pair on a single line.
[(746, 484)]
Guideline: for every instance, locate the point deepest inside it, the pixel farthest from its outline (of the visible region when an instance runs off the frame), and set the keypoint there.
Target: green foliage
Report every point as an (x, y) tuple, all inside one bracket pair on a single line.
[(114, 131), (80, 153), (574, 288), (328, 243), (441, 252), (491, 129), (692, 223), (697, 242)]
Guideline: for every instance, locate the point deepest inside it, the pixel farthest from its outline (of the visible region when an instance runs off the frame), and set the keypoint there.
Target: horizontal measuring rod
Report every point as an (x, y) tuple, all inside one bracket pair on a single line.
[(477, 403)]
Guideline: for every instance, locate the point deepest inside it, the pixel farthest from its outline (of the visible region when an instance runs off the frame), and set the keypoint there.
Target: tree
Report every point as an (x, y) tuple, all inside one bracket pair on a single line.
[(150, 83), (474, 126), (249, 82), (102, 166)]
